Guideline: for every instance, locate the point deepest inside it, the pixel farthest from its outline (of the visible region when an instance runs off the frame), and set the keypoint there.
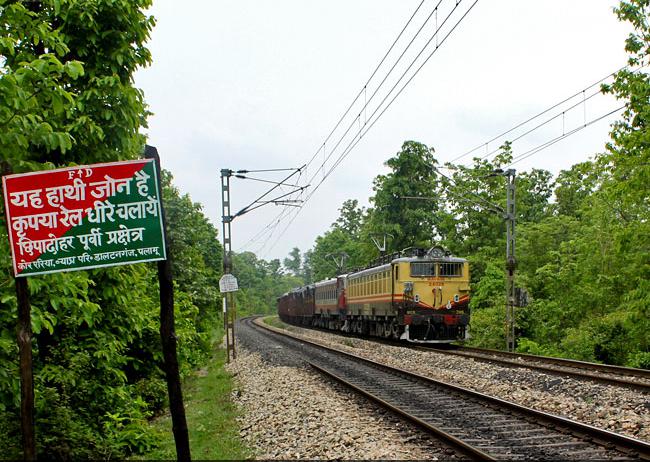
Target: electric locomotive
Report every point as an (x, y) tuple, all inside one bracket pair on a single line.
[(418, 297)]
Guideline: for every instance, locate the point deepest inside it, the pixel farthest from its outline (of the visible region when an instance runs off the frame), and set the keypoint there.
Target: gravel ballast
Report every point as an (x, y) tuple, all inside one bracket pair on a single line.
[(289, 411), (294, 413), (609, 407)]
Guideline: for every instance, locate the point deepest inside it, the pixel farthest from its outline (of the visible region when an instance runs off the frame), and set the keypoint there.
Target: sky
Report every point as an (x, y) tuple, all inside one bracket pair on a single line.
[(251, 84)]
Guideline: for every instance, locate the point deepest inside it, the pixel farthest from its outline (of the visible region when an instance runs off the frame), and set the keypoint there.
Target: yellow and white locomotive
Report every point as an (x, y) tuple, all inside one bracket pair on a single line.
[(423, 297)]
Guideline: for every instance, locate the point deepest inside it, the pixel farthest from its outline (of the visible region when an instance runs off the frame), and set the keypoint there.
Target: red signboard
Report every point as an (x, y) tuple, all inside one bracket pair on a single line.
[(84, 217)]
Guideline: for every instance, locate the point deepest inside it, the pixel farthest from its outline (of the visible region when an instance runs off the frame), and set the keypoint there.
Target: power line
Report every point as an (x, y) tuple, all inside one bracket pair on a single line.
[(365, 87), (484, 203), (367, 102), (363, 91), (540, 125), (521, 124), (362, 133), (549, 143)]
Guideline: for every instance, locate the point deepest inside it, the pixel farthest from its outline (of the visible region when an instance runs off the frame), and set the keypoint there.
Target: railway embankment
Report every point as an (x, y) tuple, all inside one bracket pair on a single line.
[(609, 407), (291, 412)]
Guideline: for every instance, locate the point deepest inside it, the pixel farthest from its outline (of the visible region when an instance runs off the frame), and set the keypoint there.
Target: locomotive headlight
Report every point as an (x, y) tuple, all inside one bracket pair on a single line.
[(456, 298), (416, 299)]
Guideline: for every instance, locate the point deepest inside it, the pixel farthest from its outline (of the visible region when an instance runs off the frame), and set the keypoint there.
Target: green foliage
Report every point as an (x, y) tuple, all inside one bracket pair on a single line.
[(488, 291), (67, 81), (411, 222), (488, 327), (261, 282), (67, 97)]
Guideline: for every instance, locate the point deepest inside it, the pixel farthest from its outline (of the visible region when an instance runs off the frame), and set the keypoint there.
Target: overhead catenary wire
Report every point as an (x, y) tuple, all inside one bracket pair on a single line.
[(355, 141), (540, 125), (369, 100), (361, 131), (484, 203), (364, 89), (581, 102), (541, 147), (520, 157), (539, 114), (364, 130)]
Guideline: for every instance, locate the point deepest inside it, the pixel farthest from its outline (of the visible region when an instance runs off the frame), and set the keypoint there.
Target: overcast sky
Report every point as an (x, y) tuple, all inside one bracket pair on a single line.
[(259, 85)]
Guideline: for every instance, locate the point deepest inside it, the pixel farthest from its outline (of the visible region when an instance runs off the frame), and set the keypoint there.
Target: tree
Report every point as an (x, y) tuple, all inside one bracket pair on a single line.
[(293, 263), (350, 217), (412, 223), (573, 187), (67, 81)]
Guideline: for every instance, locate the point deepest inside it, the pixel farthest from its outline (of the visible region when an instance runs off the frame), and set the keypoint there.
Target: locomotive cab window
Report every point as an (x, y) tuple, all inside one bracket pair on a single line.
[(451, 269), (423, 269)]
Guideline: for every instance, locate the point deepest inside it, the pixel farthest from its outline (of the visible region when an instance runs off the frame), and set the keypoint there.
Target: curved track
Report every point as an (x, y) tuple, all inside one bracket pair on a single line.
[(478, 425)]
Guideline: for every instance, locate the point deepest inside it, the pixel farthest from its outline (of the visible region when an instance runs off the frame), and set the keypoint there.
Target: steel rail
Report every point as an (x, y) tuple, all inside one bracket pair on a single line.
[(465, 448), (609, 440), (631, 371), (634, 378)]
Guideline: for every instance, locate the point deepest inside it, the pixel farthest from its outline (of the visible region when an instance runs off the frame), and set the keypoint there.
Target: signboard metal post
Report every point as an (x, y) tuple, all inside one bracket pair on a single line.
[(26, 369), (168, 338)]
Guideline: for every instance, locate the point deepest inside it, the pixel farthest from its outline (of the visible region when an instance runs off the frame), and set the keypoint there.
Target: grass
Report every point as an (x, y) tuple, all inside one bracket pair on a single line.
[(211, 417), (274, 321)]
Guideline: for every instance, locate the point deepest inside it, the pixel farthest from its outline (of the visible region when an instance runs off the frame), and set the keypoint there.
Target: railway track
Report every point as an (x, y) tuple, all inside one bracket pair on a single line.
[(477, 425), (627, 377), (638, 379)]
